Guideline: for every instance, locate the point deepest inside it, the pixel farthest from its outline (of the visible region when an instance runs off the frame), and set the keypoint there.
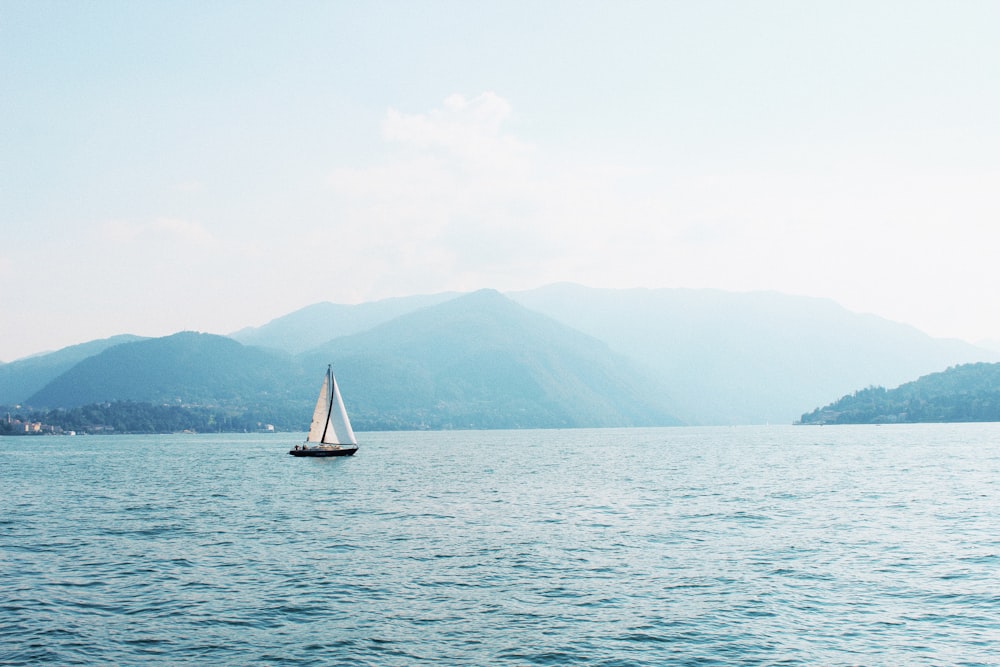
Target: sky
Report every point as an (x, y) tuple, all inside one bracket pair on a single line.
[(208, 166)]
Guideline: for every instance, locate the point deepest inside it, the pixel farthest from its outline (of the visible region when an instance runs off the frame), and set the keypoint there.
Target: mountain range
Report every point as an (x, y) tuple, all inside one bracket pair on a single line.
[(558, 356)]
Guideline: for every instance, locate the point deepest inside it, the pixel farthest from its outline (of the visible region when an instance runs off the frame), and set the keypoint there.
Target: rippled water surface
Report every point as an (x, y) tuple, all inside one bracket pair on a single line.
[(686, 546)]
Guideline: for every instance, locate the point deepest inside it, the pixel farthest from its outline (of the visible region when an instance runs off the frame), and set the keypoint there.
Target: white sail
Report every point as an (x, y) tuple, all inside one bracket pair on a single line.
[(330, 424), (320, 414), (339, 431)]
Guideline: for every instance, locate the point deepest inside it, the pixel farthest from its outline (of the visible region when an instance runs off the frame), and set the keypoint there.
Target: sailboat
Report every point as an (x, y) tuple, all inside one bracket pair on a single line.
[(330, 433)]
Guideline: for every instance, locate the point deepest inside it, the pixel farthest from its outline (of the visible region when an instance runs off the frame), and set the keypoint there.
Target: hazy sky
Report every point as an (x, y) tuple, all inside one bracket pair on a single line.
[(213, 165)]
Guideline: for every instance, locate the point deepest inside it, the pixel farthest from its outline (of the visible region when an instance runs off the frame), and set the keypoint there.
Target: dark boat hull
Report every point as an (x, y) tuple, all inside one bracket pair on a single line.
[(331, 451)]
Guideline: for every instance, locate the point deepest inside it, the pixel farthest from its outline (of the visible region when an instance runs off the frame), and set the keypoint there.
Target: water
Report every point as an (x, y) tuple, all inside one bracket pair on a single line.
[(685, 546)]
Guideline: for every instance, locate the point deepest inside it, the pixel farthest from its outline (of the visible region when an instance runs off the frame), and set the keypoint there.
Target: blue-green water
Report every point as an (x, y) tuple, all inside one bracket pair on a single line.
[(685, 546)]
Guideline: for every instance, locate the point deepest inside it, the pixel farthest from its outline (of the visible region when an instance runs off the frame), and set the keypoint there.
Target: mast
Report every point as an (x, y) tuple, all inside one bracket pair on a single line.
[(329, 403)]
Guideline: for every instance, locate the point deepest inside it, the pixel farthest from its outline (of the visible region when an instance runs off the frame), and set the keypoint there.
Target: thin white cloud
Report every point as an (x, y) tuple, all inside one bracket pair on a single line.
[(466, 202), (469, 128), (460, 202)]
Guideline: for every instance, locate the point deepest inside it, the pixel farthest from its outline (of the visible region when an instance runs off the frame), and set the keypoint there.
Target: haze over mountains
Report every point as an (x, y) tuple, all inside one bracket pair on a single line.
[(754, 357), (561, 355)]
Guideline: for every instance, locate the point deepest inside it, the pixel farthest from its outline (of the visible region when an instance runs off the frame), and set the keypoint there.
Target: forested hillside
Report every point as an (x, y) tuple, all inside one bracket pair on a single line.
[(133, 417), (967, 393), (22, 378), (186, 369)]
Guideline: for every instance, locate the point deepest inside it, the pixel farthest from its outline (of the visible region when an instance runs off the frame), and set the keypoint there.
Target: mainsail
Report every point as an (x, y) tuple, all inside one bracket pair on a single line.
[(330, 425)]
